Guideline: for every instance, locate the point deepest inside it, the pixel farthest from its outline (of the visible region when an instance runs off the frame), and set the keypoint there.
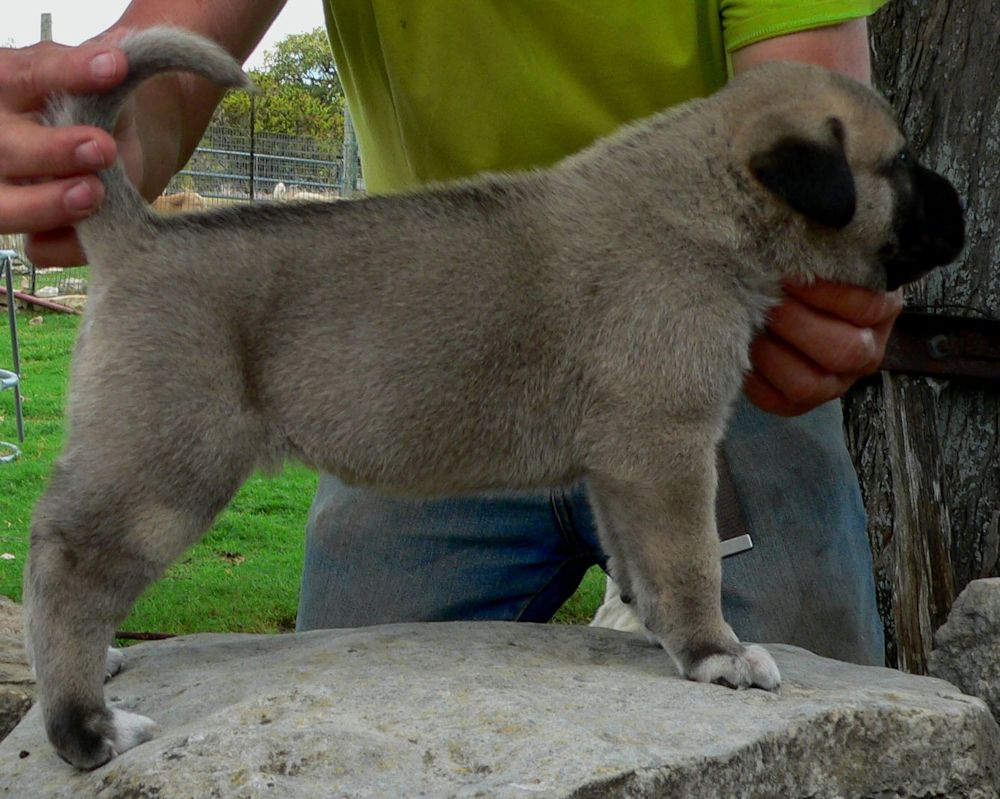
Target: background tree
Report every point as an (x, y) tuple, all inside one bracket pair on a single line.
[(928, 449), (305, 59), (300, 93)]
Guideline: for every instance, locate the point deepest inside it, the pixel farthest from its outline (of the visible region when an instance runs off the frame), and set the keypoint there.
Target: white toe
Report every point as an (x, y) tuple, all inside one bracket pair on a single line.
[(114, 662), (131, 729), (751, 667)]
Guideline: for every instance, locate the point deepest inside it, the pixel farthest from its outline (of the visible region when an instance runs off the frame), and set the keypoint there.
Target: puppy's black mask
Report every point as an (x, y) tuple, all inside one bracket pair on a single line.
[(815, 179), (929, 223)]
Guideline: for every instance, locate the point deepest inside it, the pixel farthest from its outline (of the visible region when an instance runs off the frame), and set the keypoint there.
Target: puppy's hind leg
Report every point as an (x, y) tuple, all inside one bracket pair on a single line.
[(99, 537), (662, 526)]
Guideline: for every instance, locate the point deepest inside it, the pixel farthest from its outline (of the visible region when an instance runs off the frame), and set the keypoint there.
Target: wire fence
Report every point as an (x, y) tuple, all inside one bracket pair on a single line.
[(238, 164), (230, 165)]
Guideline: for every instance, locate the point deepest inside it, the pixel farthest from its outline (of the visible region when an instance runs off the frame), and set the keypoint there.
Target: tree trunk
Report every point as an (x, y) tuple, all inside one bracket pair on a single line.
[(927, 449)]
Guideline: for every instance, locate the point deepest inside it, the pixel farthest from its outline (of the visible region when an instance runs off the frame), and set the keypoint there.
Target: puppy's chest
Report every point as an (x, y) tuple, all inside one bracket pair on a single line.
[(759, 307), (754, 298)]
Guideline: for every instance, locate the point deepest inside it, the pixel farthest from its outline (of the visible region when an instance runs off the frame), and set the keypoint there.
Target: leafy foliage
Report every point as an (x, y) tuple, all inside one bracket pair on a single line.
[(300, 93), (305, 59)]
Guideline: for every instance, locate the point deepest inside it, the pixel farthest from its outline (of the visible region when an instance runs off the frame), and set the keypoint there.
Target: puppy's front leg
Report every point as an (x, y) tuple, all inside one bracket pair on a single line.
[(661, 535)]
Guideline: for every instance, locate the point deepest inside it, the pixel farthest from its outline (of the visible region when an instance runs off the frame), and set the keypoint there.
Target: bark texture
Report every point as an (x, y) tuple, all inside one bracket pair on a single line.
[(928, 450)]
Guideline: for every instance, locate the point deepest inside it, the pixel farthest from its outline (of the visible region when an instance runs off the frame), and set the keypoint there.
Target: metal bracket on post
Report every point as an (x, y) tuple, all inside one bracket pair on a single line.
[(942, 345)]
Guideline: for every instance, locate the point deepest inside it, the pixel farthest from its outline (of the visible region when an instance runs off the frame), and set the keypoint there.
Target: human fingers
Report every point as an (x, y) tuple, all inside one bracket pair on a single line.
[(59, 247), (31, 154), (859, 306), (843, 329), (786, 382), (29, 150), (768, 398), (30, 75), (832, 344), (36, 207)]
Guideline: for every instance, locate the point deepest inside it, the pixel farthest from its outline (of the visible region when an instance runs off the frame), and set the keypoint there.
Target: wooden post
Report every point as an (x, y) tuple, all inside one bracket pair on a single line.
[(922, 581), (928, 449)]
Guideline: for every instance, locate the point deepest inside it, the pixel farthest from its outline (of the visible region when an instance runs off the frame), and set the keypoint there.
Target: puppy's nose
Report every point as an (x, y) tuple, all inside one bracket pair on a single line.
[(944, 212), (933, 234)]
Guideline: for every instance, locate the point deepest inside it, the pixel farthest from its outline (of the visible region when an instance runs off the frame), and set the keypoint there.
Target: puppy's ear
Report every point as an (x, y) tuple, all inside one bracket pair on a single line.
[(813, 177)]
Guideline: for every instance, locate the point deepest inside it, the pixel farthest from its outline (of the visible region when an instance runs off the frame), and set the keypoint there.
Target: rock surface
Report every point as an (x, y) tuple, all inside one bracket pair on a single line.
[(17, 687), (511, 710), (967, 646)]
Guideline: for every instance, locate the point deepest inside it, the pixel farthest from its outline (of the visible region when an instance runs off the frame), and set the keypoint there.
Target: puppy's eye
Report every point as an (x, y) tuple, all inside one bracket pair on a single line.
[(900, 163)]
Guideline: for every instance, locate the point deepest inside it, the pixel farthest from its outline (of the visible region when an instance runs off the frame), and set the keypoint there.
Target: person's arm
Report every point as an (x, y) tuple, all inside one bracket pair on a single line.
[(823, 337), (48, 177)]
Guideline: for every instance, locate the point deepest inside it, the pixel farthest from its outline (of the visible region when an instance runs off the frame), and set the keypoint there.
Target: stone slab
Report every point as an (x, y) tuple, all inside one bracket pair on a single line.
[(511, 710)]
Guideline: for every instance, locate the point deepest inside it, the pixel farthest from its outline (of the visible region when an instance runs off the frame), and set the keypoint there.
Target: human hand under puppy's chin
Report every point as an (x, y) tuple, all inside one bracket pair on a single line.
[(819, 340)]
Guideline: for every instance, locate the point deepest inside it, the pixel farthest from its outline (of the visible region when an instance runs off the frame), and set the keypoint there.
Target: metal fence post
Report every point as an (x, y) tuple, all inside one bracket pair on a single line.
[(8, 379), (253, 146)]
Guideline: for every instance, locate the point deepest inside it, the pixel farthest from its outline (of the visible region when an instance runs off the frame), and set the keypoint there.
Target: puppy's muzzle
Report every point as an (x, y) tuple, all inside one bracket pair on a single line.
[(932, 232)]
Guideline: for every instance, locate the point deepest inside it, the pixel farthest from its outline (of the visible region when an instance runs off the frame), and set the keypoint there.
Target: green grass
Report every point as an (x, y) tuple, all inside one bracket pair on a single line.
[(581, 607), (243, 576)]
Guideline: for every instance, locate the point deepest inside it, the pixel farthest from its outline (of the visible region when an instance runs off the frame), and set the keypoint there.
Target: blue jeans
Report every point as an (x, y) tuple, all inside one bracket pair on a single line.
[(808, 581)]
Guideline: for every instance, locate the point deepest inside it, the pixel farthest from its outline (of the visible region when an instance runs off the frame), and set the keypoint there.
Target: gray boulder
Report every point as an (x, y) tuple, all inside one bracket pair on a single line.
[(511, 710), (967, 646)]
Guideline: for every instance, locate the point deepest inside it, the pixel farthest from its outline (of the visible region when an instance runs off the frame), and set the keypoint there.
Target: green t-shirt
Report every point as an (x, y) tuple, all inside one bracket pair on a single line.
[(440, 89)]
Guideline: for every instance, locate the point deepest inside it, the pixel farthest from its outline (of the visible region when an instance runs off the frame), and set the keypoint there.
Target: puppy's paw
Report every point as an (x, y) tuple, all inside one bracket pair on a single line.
[(89, 739), (130, 729), (114, 663), (747, 667)]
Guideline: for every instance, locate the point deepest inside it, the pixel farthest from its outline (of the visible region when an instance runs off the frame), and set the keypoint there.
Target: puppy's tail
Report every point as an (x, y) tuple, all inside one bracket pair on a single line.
[(150, 52)]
